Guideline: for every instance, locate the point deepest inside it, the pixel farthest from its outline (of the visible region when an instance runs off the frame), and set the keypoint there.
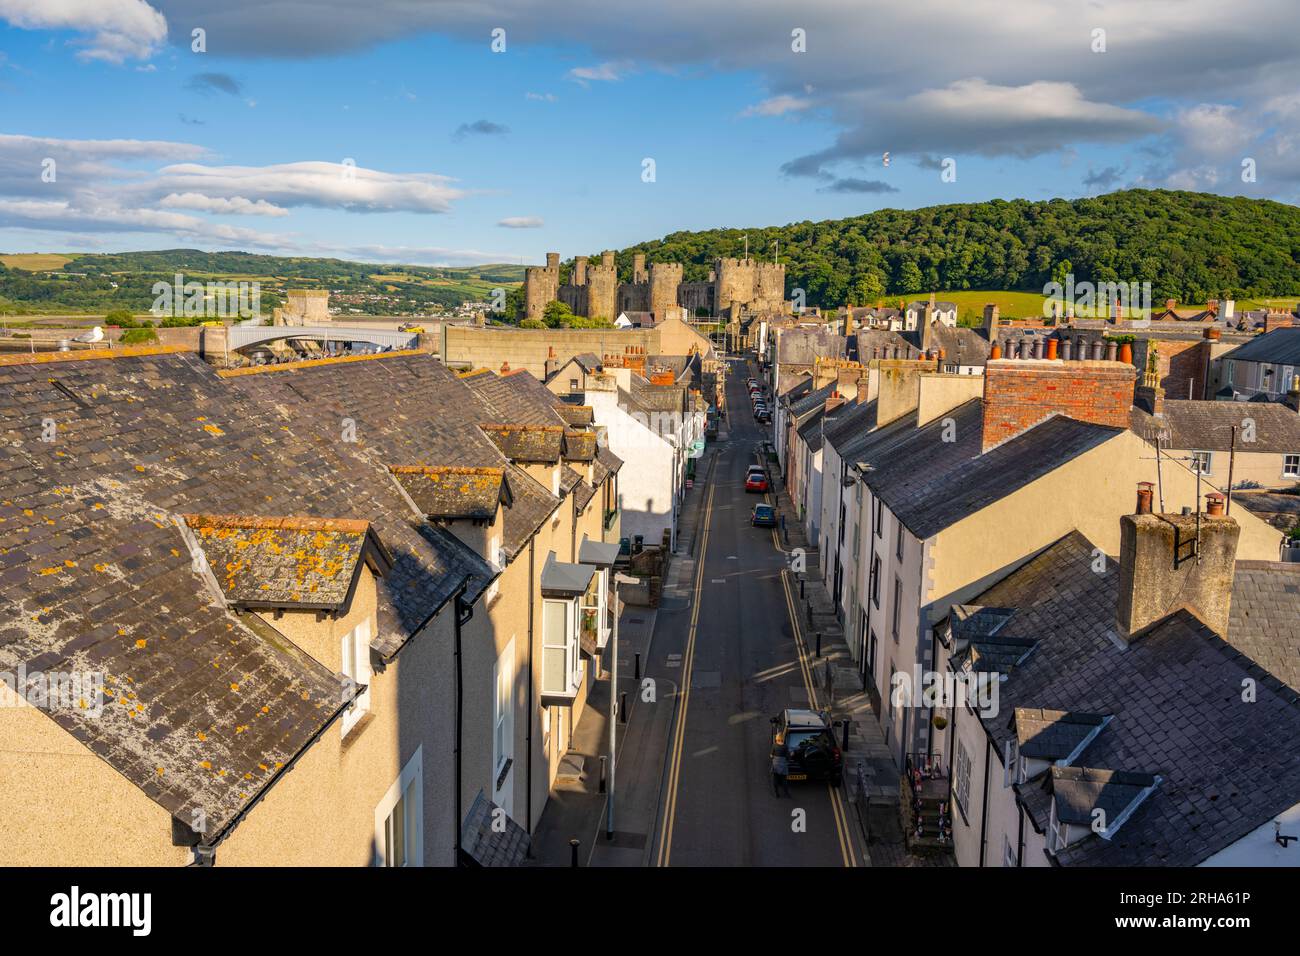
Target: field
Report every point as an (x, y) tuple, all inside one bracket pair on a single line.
[(35, 261)]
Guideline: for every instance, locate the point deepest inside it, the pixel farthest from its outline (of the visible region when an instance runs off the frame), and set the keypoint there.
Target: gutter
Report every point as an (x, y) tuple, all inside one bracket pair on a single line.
[(984, 808), (464, 612)]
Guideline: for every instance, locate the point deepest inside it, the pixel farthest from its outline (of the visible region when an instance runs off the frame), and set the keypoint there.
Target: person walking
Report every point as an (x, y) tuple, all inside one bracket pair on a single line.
[(780, 768)]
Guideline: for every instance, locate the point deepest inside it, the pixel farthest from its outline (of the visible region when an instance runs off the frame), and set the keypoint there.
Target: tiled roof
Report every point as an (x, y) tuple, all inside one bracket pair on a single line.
[(930, 483), (452, 492), (869, 340), (404, 410), (285, 562), (517, 399), (575, 416), (850, 421), (1227, 766), (1207, 426), (484, 842), (1044, 734), (96, 575), (528, 443), (961, 345), (579, 446), (805, 346), (1279, 347), (1264, 618), (608, 460)]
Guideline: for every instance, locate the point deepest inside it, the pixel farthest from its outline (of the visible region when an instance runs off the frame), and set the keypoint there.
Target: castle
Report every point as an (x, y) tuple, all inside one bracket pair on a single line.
[(733, 286)]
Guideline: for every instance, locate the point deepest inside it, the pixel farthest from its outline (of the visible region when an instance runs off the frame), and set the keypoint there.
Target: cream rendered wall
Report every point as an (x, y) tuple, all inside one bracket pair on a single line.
[(61, 805), (966, 827), (1263, 468), (322, 812)]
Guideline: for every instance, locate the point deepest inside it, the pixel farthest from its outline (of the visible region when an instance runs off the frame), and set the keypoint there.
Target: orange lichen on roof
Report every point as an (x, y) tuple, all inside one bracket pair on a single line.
[(436, 470), (470, 373), (343, 525), (314, 363), (523, 428), (125, 351)]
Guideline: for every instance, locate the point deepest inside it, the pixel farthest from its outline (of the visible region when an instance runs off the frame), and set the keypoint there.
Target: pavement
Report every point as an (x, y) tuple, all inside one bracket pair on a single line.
[(732, 644)]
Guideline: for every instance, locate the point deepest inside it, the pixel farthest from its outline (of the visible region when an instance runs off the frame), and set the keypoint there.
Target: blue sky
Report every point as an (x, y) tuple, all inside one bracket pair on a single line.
[(243, 146)]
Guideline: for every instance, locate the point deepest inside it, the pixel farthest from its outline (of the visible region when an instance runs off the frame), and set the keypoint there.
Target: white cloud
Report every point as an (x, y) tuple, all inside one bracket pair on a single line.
[(113, 30), (235, 205), (319, 184), (777, 106), (602, 73), (522, 222), (96, 215), (541, 97)]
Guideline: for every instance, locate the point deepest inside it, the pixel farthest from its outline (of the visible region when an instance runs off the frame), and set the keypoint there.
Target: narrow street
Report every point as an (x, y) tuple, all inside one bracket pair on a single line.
[(730, 641)]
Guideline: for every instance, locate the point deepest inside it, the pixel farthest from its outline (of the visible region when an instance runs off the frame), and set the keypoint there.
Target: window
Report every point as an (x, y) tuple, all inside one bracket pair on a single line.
[(503, 710), (961, 778), (879, 507), (1202, 462), (1011, 765), (1291, 466), (399, 818), (1008, 851), (875, 580), (1229, 366), (573, 385), (871, 654), (355, 658), (559, 652), (898, 542), (898, 604)]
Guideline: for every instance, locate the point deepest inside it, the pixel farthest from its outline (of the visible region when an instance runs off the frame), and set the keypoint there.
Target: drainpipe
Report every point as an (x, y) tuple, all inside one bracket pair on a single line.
[(871, 567), (528, 776), (1020, 837), (984, 808), (463, 613)]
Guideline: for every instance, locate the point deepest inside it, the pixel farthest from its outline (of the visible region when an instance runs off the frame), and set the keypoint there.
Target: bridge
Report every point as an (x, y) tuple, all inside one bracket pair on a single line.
[(245, 336)]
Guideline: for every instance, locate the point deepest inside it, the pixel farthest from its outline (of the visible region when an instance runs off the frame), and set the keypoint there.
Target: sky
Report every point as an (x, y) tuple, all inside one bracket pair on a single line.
[(473, 131)]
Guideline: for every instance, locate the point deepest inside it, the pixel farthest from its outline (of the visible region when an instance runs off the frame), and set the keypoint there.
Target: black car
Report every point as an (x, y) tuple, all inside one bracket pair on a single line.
[(809, 736)]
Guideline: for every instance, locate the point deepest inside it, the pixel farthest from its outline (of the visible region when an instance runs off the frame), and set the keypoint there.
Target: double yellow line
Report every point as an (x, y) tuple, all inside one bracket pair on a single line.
[(842, 831), (688, 663)]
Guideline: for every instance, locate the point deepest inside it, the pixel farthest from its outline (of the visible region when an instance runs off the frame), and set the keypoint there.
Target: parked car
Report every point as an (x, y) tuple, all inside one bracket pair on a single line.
[(809, 737), (763, 516), (762, 415), (756, 480)]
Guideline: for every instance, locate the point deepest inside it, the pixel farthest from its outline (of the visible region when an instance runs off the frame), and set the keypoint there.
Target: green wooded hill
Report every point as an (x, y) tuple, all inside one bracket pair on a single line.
[(1189, 246)]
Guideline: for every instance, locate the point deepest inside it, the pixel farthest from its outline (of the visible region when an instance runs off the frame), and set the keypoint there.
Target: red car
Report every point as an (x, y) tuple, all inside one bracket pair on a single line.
[(756, 481)]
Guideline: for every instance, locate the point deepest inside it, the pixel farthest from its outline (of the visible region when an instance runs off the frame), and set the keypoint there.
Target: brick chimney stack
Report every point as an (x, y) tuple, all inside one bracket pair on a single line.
[(1169, 563), (991, 319), (1020, 393)]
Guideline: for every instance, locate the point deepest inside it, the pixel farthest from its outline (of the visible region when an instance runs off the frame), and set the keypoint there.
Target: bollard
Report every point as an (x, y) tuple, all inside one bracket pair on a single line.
[(845, 748), (622, 708), (801, 589), (573, 850), (636, 671), (819, 643), (603, 766)]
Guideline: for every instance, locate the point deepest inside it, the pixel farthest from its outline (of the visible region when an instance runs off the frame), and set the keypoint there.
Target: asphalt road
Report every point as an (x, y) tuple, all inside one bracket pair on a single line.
[(733, 644)]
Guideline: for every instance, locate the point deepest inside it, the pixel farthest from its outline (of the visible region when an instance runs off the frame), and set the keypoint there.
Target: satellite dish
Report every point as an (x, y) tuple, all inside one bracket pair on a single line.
[(94, 335)]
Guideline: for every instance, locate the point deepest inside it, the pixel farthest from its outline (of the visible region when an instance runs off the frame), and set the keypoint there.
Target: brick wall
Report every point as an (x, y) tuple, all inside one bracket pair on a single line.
[(1020, 393), (1181, 364)]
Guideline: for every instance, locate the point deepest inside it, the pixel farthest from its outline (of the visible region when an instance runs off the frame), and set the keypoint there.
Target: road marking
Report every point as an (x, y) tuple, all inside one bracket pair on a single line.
[(683, 701), (837, 807)]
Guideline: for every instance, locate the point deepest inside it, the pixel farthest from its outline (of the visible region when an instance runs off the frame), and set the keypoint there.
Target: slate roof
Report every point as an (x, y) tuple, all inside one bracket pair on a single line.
[(805, 346), (516, 398), (930, 484), (1264, 618), (1280, 510), (528, 443), (1227, 766), (1080, 791), (207, 706), (961, 345), (482, 844), (406, 410), (868, 340), (1279, 347), (1207, 426), (452, 492), (579, 446), (286, 562), (849, 421), (575, 416), (656, 398), (607, 460), (1044, 734)]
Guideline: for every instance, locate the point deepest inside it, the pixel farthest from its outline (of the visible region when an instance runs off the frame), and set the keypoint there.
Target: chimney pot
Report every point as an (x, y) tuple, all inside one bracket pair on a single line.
[(1126, 353), (1214, 503), (1112, 350), (1051, 349), (1038, 346), (1067, 350), (1144, 498), (996, 351)]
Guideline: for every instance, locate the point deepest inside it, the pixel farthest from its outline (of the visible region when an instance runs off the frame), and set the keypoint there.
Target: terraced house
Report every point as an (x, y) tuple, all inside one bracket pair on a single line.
[(317, 597)]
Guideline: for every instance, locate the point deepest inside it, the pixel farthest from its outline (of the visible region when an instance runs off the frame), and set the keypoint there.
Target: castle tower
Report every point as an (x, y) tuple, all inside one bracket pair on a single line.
[(665, 277), (769, 286), (602, 288), (541, 286), (580, 271), (638, 268)]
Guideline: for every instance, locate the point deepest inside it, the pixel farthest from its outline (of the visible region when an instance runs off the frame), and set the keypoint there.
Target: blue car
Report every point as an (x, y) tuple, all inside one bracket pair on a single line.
[(764, 516)]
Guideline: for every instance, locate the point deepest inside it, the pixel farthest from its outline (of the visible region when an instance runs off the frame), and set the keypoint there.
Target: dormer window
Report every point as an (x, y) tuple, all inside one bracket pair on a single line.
[(563, 585)]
